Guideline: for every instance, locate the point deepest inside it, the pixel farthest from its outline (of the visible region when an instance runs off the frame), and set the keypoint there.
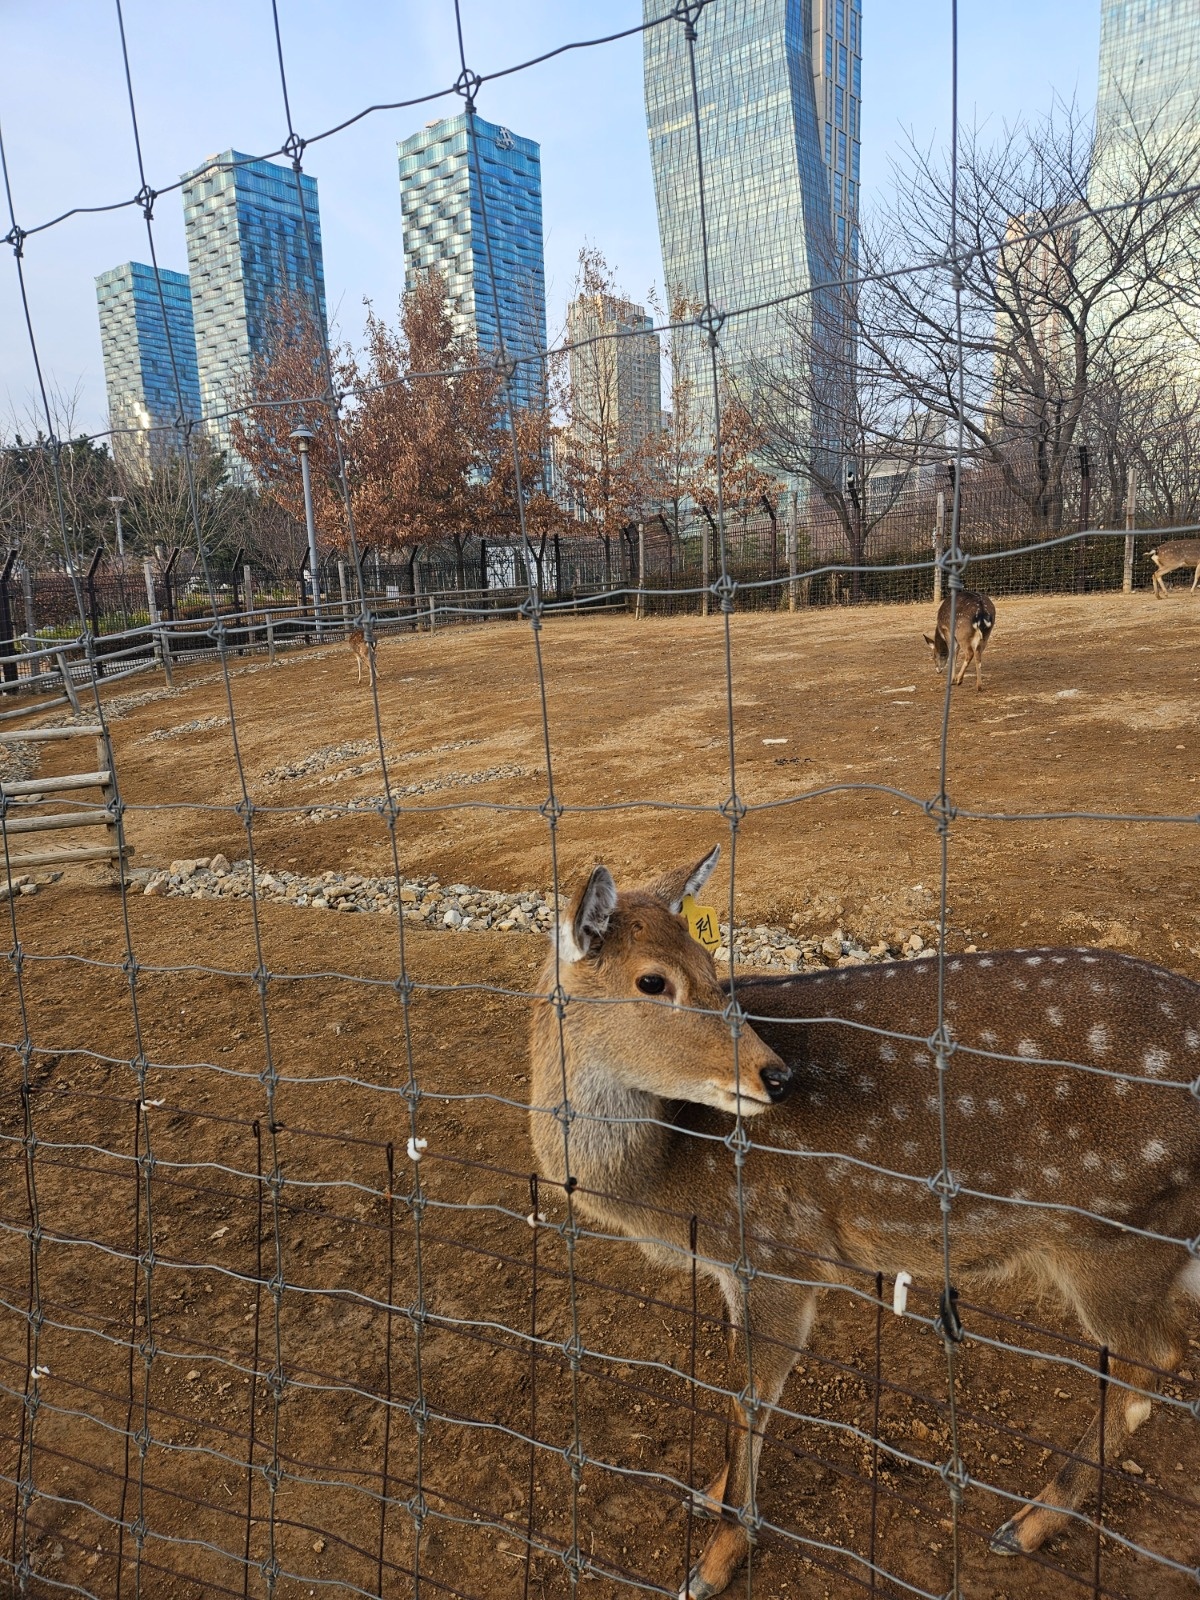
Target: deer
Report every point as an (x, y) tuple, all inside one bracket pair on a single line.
[(362, 652), (974, 619), (1179, 553), (634, 1034)]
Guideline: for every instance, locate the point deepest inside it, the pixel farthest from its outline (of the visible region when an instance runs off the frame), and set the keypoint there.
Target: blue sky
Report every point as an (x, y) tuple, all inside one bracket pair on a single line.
[(205, 79)]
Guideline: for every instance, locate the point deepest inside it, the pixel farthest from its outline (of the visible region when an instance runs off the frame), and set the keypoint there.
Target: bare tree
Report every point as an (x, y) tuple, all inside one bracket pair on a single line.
[(1062, 278)]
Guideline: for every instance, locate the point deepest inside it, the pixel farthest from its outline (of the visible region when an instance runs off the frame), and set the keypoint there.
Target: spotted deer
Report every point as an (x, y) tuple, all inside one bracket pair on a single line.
[(1053, 1165), (974, 619), (362, 652), (1179, 553)]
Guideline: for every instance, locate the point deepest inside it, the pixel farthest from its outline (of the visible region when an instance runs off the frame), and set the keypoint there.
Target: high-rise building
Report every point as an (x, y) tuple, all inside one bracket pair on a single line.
[(249, 245), (1149, 69), (616, 372), (450, 185), (145, 408), (779, 106)]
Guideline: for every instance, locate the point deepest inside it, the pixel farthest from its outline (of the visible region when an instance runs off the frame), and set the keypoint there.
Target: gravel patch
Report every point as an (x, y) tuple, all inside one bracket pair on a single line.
[(181, 729), (460, 908), (407, 791)]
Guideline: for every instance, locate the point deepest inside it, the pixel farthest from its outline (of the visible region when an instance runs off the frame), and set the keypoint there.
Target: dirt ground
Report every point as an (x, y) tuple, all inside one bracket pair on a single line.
[(1088, 705)]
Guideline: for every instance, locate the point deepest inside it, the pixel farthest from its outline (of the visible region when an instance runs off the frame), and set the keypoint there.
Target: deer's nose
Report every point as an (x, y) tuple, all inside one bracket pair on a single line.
[(776, 1080)]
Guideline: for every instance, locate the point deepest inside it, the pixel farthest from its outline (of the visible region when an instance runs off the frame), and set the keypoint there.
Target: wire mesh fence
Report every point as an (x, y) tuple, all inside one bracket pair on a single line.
[(279, 1314)]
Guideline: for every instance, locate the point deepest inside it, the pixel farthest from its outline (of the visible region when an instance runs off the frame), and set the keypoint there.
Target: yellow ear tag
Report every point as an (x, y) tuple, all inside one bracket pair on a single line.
[(702, 923)]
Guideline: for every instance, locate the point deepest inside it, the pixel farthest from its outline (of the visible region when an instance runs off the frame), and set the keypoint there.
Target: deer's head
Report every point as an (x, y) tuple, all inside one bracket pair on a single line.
[(644, 1002)]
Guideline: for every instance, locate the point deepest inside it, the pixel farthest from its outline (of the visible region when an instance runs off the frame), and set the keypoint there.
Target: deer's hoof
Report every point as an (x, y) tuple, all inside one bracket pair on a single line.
[(1006, 1541), (697, 1587)]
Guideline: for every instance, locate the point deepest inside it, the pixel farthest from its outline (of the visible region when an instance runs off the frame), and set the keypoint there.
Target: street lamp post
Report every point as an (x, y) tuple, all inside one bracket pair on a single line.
[(303, 437), (116, 501)]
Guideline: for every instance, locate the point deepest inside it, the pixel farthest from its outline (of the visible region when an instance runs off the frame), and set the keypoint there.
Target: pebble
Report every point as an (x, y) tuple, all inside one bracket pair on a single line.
[(463, 908)]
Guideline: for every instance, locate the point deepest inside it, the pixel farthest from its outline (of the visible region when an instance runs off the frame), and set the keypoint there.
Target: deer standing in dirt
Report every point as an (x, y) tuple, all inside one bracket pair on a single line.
[(974, 619), (1172, 557), (363, 652), (653, 1081)]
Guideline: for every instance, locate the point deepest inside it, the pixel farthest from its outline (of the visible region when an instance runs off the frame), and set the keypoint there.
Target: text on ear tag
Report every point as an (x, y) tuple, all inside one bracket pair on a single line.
[(702, 923)]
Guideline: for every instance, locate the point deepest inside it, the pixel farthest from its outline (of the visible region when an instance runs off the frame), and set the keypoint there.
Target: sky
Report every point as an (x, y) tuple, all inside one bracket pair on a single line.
[(205, 78)]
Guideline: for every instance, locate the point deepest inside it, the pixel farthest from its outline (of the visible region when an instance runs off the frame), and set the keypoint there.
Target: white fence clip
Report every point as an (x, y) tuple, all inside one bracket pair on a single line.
[(415, 1147), (535, 1217), (900, 1293), (149, 1105), (39, 1372)]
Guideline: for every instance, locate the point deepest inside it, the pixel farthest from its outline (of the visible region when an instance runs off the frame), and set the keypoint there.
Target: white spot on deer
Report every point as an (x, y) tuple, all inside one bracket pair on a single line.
[(1019, 983), (1117, 1171), (956, 966), (1062, 1088), (874, 1122), (1018, 1194), (889, 972), (1072, 1133), (996, 1107), (1156, 1061), (1120, 1087), (900, 1112), (988, 1038), (1043, 1134), (1051, 1174), (1167, 1009), (1021, 1100), (932, 1103), (909, 1147), (987, 962), (1154, 1151), (1098, 1039), (860, 1005), (1180, 1175), (865, 1084), (1054, 1016), (966, 1105), (887, 1051), (1033, 961), (1191, 1038), (816, 1098), (1059, 961), (1091, 1161), (1090, 961), (1029, 1048), (863, 1142), (1100, 1203)]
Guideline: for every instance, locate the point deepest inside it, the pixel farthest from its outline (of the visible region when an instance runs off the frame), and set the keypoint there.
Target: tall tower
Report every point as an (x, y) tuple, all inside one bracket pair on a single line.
[(1149, 68), (247, 246), (449, 186), (138, 369), (778, 88), (616, 371)]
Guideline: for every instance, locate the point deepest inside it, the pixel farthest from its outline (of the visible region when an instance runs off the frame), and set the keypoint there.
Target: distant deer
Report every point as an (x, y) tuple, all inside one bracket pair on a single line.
[(363, 652), (974, 619), (1170, 558), (652, 1080)]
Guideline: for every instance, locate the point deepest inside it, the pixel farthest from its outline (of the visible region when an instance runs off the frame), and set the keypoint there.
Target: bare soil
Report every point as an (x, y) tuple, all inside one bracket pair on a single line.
[(151, 1326)]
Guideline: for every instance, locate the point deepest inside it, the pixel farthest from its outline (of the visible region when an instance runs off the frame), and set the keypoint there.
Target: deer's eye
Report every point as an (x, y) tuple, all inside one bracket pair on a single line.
[(652, 983)]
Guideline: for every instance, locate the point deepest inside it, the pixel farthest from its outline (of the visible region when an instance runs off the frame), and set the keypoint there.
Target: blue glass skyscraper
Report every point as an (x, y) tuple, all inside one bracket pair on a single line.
[(779, 86), (138, 370), (248, 247), (1149, 68), (448, 187)]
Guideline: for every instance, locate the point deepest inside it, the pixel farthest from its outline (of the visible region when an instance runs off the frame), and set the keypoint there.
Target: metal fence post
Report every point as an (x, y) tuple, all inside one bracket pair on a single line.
[(248, 585), (640, 608), (27, 591), (7, 643), (1130, 517), (345, 593), (790, 540), (93, 608)]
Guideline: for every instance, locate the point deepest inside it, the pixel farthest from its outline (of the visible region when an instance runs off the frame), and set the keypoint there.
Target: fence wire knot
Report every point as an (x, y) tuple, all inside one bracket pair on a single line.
[(293, 148), (531, 608), (551, 808), (725, 592), (559, 999), (941, 1043), (733, 809), (145, 198), (955, 1476), (468, 84), (16, 237), (948, 1322), (939, 808), (943, 1184)]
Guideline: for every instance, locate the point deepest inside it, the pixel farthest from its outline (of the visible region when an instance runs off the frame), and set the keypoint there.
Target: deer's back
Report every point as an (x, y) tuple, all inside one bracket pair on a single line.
[(866, 1089)]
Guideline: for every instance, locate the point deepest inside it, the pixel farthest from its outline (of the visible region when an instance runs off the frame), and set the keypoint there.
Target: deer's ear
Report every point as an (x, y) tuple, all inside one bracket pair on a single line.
[(672, 886), (587, 923), (929, 641)]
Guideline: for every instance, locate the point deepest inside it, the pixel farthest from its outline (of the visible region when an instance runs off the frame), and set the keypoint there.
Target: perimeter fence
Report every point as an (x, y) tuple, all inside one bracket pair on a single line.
[(277, 1320)]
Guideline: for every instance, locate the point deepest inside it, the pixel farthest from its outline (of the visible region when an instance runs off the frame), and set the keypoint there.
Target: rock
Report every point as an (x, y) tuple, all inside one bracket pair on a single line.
[(879, 951), (159, 884), (452, 918), (408, 896), (831, 948), (29, 888), (219, 865)]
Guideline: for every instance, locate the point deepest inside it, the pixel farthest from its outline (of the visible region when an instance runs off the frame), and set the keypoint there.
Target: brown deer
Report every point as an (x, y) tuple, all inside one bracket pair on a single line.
[(974, 619), (1170, 558), (643, 1058), (363, 652)]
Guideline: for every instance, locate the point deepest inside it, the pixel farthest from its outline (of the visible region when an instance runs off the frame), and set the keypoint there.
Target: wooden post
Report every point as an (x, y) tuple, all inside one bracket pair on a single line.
[(1130, 519), (162, 648), (27, 592), (640, 608), (790, 538), (68, 687), (939, 545), (345, 593), (248, 585)]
